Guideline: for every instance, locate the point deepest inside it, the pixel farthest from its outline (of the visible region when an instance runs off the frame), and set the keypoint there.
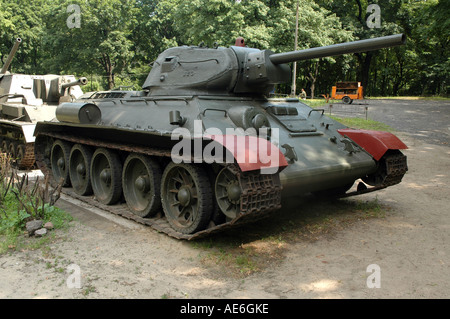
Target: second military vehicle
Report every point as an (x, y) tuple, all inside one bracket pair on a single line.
[(26, 99), (203, 144)]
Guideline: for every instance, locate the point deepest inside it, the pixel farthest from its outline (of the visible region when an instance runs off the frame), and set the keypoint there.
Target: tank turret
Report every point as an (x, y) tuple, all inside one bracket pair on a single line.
[(238, 69)]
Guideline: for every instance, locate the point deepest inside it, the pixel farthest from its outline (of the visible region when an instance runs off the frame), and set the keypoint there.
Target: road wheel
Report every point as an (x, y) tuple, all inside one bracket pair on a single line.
[(228, 192), (79, 169), (5, 146), (20, 152), (106, 176), (186, 197), (59, 160), (141, 183), (12, 149)]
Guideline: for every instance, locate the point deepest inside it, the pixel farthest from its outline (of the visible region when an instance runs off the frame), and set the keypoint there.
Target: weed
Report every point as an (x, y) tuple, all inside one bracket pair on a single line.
[(22, 200)]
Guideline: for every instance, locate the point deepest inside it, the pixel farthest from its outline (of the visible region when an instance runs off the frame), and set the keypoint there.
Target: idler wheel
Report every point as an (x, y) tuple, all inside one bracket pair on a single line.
[(79, 169), (20, 154), (228, 192), (59, 159), (106, 176), (186, 197), (141, 183)]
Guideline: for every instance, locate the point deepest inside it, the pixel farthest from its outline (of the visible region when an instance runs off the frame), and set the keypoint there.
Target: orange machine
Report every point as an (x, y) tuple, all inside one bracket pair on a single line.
[(347, 91)]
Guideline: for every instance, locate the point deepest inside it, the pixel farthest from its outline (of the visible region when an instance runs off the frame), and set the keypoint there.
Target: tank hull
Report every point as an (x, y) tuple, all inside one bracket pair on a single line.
[(313, 156), (25, 100)]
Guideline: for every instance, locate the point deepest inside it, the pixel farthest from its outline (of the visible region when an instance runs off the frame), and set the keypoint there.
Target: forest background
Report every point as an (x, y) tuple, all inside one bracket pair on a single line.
[(114, 42)]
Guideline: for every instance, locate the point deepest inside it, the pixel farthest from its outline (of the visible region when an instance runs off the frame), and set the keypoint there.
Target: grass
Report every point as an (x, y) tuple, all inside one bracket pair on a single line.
[(252, 248), (354, 122), (21, 201), (363, 124), (321, 102), (315, 102)]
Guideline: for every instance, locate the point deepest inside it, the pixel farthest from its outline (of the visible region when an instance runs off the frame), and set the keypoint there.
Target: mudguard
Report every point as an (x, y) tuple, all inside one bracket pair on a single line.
[(253, 153), (376, 143)]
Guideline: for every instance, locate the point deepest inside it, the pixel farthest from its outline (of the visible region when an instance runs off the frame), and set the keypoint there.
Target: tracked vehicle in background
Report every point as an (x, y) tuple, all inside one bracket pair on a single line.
[(26, 99), (201, 148)]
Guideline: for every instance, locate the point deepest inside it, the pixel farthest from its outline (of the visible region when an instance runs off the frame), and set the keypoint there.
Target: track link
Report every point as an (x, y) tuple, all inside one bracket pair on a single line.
[(396, 168)]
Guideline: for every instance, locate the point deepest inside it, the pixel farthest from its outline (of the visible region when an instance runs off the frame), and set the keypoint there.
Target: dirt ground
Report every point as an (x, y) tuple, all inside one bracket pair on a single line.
[(117, 258)]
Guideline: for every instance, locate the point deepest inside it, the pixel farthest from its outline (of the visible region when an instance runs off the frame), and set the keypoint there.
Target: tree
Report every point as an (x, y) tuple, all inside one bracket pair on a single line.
[(430, 42), (318, 27), (23, 19), (153, 32), (263, 24), (101, 43)]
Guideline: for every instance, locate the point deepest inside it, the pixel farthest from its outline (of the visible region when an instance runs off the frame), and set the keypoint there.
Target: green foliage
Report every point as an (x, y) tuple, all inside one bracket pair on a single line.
[(11, 219), (118, 39), (364, 124), (23, 19), (101, 44), (22, 201), (421, 67)]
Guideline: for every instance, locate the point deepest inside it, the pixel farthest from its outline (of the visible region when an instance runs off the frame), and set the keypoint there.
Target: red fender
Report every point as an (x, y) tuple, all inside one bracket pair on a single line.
[(376, 143), (251, 152)]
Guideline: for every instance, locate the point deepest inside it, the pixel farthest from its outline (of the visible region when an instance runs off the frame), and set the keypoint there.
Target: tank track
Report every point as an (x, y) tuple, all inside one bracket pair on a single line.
[(260, 194), (396, 168), (27, 161)]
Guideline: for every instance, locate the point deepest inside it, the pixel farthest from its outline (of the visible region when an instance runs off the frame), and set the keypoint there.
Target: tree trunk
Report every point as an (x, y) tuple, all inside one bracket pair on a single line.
[(312, 76), (108, 66), (364, 69), (398, 84), (111, 82)]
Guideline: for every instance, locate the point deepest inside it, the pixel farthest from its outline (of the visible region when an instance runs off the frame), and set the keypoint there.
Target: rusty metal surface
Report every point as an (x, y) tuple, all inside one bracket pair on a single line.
[(27, 161)]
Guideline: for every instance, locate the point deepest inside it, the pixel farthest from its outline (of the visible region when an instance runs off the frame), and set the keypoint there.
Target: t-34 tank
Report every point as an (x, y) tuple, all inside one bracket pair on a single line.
[(201, 148), (26, 99)]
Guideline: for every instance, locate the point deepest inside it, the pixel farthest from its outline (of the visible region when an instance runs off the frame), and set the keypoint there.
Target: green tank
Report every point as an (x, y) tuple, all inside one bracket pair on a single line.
[(26, 99), (202, 148)]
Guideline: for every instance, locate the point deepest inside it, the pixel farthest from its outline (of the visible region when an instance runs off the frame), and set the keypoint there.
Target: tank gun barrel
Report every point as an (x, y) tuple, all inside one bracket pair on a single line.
[(339, 49), (11, 56), (80, 81)]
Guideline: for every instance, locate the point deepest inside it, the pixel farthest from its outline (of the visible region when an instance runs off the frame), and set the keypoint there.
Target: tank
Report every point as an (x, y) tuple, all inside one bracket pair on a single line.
[(202, 148), (26, 99)]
